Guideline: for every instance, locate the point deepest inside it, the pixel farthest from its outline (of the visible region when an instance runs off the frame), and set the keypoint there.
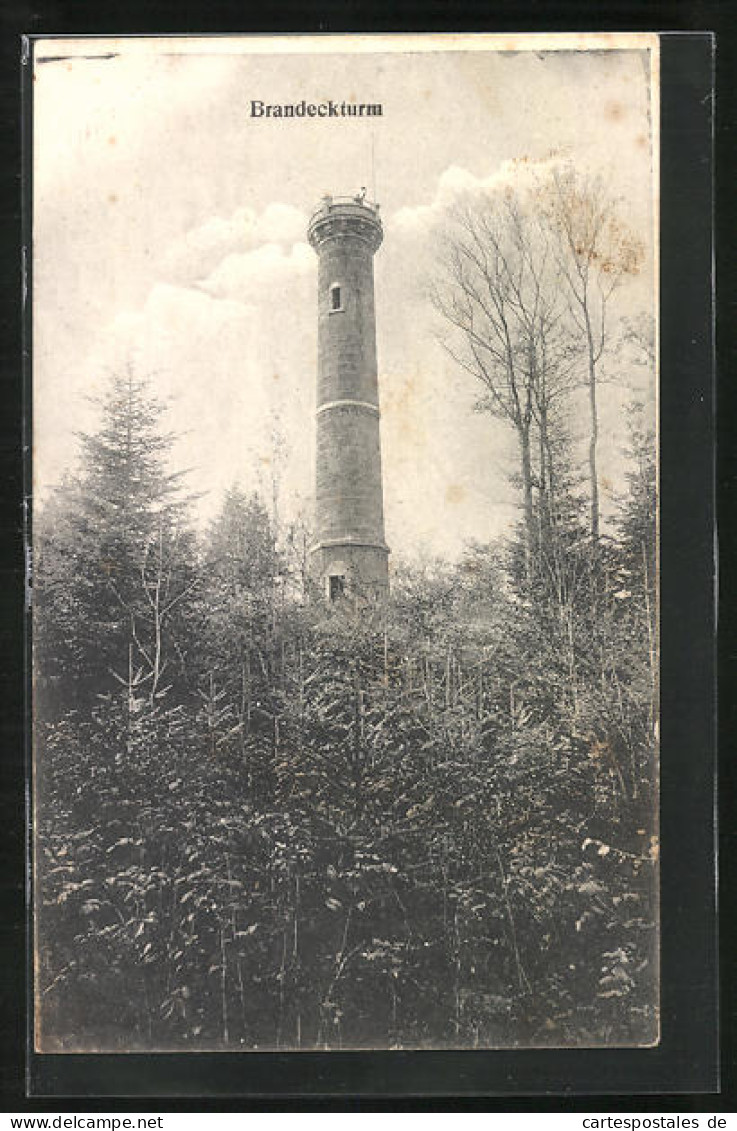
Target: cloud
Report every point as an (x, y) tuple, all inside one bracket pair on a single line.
[(260, 275), (280, 223), (228, 334), (232, 358), (197, 253), (171, 316), (455, 184)]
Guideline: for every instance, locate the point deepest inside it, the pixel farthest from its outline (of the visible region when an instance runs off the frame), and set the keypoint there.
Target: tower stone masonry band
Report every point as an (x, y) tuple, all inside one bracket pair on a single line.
[(350, 555)]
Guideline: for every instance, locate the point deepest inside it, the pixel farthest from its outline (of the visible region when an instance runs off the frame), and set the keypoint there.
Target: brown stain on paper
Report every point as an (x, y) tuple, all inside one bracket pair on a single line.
[(614, 112)]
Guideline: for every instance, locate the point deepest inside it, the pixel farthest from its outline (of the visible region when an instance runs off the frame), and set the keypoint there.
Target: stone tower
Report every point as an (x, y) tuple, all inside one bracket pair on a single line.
[(350, 555)]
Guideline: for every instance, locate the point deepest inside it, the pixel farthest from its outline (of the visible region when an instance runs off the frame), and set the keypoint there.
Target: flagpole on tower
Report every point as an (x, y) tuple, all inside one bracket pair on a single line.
[(373, 164)]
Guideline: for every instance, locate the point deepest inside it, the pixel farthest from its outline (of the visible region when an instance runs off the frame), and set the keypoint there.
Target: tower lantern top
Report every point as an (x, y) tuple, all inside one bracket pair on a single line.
[(339, 216)]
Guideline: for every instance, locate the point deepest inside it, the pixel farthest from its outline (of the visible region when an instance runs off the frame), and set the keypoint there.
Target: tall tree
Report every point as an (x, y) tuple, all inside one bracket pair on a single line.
[(595, 252), (497, 289), (113, 547)]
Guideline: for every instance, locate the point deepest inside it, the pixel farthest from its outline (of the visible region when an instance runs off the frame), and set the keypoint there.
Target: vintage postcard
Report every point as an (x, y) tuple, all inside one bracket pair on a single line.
[(345, 632)]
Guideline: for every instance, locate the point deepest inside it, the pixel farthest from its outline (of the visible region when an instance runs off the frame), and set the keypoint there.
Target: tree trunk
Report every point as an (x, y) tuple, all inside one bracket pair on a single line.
[(594, 437), (526, 456)]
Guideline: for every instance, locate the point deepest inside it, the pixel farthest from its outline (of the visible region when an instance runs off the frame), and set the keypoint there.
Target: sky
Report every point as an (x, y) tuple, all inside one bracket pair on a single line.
[(170, 234)]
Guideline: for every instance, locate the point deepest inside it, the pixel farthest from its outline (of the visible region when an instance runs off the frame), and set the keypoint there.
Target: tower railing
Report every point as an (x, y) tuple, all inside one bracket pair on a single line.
[(328, 203)]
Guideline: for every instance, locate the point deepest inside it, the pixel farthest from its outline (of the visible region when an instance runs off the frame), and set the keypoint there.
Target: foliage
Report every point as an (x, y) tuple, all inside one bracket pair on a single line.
[(421, 823), (113, 552)]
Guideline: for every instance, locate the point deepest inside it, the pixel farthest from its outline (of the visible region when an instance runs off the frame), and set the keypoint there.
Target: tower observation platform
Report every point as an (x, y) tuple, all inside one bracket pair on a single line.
[(350, 555)]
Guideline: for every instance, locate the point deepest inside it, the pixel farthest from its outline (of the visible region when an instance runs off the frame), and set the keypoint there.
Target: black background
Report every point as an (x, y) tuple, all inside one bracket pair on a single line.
[(680, 1075)]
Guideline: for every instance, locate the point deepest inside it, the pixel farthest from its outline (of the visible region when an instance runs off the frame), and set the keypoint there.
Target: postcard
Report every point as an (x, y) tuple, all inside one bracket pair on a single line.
[(345, 628)]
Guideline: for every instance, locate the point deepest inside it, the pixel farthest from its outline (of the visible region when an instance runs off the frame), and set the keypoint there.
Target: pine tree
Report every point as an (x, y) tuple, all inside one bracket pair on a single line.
[(112, 546)]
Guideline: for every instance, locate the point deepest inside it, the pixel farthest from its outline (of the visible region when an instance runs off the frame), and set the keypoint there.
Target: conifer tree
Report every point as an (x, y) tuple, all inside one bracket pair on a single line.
[(112, 547)]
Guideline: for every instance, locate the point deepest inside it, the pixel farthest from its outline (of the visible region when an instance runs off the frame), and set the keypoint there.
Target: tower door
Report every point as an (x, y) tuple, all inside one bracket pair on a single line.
[(336, 586), (336, 580)]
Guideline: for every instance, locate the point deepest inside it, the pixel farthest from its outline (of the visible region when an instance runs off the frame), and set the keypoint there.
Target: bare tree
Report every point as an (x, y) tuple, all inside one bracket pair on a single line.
[(164, 583), (595, 252), (497, 288)]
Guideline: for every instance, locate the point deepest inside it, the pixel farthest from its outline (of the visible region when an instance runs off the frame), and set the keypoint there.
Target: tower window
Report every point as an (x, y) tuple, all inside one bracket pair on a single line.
[(336, 586), (335, 298)]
